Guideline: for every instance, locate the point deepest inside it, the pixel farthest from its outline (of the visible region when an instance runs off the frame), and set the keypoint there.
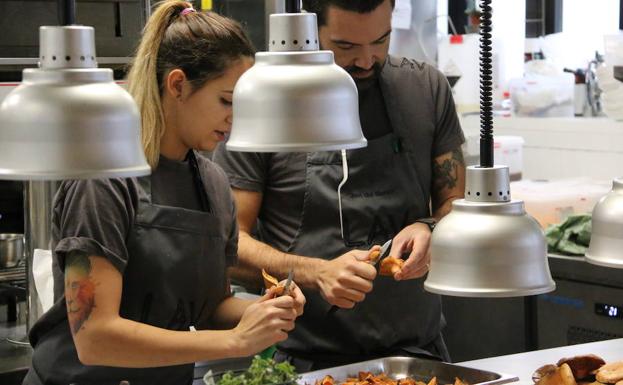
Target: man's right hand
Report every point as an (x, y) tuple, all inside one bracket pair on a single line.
[(345, 280)]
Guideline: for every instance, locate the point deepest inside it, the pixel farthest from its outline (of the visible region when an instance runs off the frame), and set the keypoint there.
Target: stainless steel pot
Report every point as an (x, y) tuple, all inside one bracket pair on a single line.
[(11, 250)]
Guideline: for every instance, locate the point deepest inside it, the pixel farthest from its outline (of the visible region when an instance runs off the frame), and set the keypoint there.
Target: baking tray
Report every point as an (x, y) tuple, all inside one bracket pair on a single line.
[(416, 368)]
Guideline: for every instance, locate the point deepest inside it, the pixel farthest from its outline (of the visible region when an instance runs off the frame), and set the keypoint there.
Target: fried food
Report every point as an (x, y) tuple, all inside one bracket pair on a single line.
[(390, 266), (367, 378), (561, 376), (270, 282), (611, 373), (543, 371), (583, 366)]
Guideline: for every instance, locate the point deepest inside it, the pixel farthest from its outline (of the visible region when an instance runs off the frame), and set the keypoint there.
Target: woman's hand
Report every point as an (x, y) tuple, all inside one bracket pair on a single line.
[(265, 323), (298, 296)]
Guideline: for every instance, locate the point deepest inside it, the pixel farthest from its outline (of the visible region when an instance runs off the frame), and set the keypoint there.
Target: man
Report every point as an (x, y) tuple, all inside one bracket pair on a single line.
[(412, 164)]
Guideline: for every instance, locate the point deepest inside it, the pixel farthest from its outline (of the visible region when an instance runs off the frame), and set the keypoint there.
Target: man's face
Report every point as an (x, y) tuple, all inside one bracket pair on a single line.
[(359, 41)]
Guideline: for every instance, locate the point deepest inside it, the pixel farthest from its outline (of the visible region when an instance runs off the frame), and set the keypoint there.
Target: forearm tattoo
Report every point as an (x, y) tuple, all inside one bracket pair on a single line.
[(79, 289), (446, 172)]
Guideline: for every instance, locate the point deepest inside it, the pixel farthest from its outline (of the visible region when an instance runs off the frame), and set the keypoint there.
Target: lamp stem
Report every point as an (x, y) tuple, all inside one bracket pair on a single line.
[(66, 12), (486, 86), (293, 6)]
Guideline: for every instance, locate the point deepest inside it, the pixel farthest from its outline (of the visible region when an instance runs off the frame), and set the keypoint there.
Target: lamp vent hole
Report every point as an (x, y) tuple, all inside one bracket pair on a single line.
[(307, 41), (53, 57), (501, 193), (82, 58), (68, 58), (283, 42), (92, 58), (42, 57), (295, 42), (508, 192), (490, 193), (316, 41), (273, 42), (469, 193), (478, 193)]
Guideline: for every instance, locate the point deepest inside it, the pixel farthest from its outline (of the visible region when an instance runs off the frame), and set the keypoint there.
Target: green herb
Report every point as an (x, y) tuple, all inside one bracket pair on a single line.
[(263, 371)]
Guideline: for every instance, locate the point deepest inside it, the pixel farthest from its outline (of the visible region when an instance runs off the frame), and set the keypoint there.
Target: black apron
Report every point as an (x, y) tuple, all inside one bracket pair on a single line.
[(383, 195), (175, 278)]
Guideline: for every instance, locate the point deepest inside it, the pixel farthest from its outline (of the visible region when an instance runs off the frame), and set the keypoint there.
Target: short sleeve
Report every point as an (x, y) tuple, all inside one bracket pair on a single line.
[(95, 217), (245, 170), (448, 133)]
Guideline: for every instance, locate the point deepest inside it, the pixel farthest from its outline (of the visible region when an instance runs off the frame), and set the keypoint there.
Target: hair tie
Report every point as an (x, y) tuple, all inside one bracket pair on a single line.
[(187, 10)]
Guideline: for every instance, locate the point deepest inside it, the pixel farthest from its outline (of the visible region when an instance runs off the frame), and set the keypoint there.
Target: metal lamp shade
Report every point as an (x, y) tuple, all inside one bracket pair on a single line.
[(295, 98), (69, 123), (295, 101), (606, 246), (488, 246)]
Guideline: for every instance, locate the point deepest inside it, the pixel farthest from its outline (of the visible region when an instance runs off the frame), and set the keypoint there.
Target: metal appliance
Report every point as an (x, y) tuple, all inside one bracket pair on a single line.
[(586, 306)]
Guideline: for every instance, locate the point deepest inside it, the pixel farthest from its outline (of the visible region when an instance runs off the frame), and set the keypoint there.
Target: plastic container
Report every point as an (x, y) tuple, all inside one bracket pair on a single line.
[(543, 96), (551, 202), (508, 151)]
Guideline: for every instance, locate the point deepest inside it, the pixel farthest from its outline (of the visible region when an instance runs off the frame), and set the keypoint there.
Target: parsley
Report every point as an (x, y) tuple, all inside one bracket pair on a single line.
[(263, 371)]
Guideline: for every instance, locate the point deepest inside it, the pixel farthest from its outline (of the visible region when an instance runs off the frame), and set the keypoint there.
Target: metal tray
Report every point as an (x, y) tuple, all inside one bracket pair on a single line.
[(419, 369)]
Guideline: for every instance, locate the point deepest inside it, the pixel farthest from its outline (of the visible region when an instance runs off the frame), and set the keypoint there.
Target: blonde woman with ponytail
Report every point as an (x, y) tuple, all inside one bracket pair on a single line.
[(140, 262)]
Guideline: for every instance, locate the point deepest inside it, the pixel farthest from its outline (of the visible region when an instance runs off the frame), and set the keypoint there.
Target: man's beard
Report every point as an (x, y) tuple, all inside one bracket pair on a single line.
[(364, 83)]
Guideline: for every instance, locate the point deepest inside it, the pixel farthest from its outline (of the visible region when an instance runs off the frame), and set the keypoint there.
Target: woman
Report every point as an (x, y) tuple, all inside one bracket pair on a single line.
[(139, 262)]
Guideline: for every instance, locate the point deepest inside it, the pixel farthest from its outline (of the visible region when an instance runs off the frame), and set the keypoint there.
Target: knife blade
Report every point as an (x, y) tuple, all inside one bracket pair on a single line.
[(286, 290)]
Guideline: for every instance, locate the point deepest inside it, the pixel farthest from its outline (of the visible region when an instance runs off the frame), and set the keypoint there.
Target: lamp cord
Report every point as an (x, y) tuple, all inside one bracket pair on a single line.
[(293, 6), (66, 12), (486, 86), (339, 190)]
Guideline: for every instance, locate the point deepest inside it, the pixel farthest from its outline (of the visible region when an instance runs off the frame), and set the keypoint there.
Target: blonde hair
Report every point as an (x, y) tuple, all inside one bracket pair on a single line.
[(202, 44)]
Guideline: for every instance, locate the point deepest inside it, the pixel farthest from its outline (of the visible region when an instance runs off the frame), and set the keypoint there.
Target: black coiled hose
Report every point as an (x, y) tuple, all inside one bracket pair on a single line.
[(486, 86), (293, 6)]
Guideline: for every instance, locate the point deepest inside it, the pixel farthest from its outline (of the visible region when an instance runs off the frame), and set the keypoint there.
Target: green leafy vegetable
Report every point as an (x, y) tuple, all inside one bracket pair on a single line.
[(263, 371)]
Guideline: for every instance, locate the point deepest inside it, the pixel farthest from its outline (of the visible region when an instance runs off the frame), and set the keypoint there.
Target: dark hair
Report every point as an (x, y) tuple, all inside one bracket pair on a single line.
[(319, 7), (202, 44)]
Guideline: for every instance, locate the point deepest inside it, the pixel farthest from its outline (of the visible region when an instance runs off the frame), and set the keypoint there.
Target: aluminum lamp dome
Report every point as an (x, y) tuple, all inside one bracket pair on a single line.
[(488, 246), (606, 246), (69, 119), (295, 98)]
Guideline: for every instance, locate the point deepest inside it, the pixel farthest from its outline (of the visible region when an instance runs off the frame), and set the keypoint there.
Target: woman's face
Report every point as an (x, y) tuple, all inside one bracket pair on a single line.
[(204, 117)]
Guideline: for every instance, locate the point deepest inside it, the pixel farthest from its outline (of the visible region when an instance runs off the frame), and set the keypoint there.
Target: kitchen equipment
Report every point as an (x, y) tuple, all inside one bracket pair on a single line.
[(419, 369), (606, 247), (286, 289), (11, 250), (295, 98), (487, 246)]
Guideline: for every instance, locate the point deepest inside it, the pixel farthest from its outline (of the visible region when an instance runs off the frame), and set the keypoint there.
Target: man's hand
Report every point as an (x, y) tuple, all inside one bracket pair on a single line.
[(413, 239), (347, 279)]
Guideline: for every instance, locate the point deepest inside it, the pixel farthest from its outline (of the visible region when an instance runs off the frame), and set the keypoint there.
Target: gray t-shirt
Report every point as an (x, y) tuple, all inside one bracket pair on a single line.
[(281, 176), (96, 217)]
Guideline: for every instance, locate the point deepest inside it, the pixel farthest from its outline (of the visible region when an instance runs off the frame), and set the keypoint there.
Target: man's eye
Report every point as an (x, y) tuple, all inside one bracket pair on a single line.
[(345, 46), (226, 102)]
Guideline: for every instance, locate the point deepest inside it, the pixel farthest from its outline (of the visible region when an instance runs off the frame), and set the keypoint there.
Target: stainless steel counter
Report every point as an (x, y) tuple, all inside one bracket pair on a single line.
[(524, 364)]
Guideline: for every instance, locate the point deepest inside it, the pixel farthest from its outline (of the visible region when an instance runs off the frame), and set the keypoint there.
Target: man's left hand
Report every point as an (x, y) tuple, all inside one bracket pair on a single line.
[(415, 240)]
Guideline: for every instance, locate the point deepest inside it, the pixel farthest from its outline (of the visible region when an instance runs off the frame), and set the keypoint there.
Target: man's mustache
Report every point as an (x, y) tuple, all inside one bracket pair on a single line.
[(355, 70)]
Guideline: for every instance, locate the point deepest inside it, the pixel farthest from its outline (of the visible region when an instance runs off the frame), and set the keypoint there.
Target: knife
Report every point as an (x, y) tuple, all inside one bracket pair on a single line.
[(286, 290), (384, 253)]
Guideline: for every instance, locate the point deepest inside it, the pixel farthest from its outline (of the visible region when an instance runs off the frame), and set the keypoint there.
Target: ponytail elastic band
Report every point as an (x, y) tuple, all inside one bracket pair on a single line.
[(188, 10)]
